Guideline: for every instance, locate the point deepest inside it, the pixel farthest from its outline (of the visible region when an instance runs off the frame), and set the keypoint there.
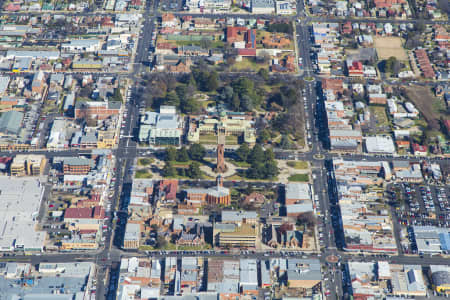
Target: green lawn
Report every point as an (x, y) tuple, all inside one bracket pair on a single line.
[(212, 139), (249, 64), (299, 177), (143, 174), (143, 162), (241, 164), (299, 165)]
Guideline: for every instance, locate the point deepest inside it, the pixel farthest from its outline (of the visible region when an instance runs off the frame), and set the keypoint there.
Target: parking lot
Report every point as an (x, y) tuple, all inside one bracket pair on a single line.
[(424, 205)]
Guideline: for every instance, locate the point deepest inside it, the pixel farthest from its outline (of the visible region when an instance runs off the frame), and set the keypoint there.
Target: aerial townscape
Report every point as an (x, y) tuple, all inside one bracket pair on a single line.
[(224, 149)]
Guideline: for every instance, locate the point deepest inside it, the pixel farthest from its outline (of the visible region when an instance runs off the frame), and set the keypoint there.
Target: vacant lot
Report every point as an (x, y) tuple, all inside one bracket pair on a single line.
[(390, 46), (381, 124), (429, 106)]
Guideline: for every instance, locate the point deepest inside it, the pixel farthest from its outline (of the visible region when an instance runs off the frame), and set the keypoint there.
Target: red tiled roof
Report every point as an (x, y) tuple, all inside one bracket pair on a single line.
[(78, 213), (247, 52)]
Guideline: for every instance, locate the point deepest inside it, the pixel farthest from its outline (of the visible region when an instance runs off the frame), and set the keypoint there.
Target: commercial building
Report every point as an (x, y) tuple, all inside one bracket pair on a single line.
[(262, 6), (132, 235), (11, 122), (297, 193), (163, 128), (432, 239), (20, 199), (56, 281), (98, 110), (440, 278), (77, 165), (380, 144), (233, 235), (28, 164), (85, 45), (303, 273)]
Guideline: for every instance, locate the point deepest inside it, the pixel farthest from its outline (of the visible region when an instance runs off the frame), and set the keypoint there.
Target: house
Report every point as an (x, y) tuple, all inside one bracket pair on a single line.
[(168, 20), (378, 99), (355, 68), (37, 85), (419, 150)]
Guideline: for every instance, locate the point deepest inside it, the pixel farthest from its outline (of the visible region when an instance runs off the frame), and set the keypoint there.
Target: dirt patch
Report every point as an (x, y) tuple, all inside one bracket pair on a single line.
[(430, 107), (390, 46)]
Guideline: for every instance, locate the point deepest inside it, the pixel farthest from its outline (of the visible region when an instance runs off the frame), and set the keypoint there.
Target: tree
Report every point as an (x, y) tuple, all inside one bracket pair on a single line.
[(172, 99), (171, 154), (197, 152), (212, 83), (236, 103), (169, 170), (182, 155), (161, 242), (189, 106), (285, 142), (264, 73), (246, 103), (270, 169), (264, 136), (269, 155), (420, 26), (181, 91), (256, 155), (242, 152), (194, 170), (117, 96), (308, 219)]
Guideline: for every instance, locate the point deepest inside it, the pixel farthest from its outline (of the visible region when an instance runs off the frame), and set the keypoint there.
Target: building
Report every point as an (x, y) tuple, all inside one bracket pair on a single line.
[(77, 165), (197, 197), (380, 144), (57, 138), (419, 150), (303, 273), (28, 164), (297, 193), (97, 110), (233, 235), (132, 236), (11, 122), (285, 7), (262, 6), (440, 278), (20, 199), (48, 280), (237, 124), (38, 83), (239, 217), (82, 45), (163, 128)]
